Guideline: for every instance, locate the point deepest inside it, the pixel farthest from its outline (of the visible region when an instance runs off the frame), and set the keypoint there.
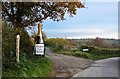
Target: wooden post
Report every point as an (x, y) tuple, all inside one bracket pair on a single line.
[(17, 47)]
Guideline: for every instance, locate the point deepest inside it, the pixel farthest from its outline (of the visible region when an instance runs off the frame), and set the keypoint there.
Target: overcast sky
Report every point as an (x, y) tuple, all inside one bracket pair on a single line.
[(98, 19)]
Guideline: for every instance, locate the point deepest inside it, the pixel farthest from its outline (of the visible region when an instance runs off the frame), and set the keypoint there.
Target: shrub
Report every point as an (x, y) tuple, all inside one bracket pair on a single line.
[(26, 45), (82, 54), (9, 43), (104, 53), (58, 44), (8, 46)]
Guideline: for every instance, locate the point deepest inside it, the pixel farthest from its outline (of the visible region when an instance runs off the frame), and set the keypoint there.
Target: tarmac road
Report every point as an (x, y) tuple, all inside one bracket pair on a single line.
[(101, 68)]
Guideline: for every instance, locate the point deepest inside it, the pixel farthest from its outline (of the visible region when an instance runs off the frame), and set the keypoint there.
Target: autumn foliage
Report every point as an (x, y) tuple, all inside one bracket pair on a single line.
[(23, 14)]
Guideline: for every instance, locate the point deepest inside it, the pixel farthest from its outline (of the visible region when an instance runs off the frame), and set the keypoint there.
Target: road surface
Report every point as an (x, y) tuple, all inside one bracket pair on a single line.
[(67, 66), (101, 68)]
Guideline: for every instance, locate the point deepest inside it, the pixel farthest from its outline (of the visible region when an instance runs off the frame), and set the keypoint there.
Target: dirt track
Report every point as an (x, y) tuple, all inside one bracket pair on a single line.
[(67, 66)]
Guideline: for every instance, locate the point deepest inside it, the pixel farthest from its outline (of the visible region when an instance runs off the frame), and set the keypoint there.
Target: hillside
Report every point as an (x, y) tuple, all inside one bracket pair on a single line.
[(114, 42)]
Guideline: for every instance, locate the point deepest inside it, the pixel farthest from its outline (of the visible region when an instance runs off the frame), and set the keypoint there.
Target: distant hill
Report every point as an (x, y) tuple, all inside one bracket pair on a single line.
[(107, 41)]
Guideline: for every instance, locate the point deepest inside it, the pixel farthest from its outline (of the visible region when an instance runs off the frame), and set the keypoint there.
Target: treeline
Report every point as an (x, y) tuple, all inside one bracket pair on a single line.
[(98, 42)]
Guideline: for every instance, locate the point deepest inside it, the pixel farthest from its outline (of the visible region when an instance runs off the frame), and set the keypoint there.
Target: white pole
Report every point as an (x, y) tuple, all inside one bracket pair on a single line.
[(17, 47)]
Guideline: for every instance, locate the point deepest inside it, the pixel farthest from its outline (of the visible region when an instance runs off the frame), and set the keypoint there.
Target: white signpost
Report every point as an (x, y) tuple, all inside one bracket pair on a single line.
[(85, 50)]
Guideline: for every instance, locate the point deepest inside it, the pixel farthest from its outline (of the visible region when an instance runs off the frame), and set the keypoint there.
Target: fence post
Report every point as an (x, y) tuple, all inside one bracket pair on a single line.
[(17, 47)]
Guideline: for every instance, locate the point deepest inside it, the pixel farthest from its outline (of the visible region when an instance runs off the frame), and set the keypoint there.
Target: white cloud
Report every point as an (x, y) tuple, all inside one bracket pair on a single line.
[(90, 32), (77, 30)]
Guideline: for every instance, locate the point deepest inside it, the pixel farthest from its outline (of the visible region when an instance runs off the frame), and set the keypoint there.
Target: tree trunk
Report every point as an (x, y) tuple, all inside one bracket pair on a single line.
[(17, 47)]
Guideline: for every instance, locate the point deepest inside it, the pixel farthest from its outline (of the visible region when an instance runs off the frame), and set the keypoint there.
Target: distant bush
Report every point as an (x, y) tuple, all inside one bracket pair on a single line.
[(9, 43), (58, 44)]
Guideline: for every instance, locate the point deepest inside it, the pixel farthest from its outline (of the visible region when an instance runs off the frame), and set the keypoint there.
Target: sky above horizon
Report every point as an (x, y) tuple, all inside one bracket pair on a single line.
[(98, 19)]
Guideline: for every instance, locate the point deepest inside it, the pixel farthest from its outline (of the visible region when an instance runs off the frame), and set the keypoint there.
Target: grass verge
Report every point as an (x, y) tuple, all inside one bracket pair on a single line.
[(34, 67), (95, 54)]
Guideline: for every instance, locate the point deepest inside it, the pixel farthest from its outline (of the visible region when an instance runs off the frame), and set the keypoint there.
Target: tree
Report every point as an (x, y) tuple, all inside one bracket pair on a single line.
[(22, 14), (98, 42)]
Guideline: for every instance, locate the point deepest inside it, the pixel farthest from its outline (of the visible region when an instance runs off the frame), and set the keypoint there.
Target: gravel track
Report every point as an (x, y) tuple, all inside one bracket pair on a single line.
[(67, 66)]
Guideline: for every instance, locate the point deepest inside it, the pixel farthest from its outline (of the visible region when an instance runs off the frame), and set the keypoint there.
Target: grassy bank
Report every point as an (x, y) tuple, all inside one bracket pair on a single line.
[(94, 55), (35, 67), (67, 47)]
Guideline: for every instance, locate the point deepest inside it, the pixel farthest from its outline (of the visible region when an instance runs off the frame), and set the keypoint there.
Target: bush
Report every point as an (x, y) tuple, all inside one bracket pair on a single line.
[(104, 53), (9, 43), (82, 54), (58, 44), (26, 46), (8, 46)]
